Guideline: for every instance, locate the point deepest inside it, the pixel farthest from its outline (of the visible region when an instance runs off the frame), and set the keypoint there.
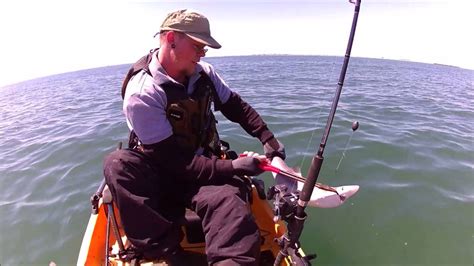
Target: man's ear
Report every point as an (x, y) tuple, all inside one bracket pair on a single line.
[(170, 37)]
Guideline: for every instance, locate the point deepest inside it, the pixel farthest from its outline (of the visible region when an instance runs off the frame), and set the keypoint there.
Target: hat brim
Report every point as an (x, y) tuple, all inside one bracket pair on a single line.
[(204, 39)]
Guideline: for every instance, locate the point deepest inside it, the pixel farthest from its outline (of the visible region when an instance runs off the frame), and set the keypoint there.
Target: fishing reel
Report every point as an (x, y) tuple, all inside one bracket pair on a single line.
[(284, 202)]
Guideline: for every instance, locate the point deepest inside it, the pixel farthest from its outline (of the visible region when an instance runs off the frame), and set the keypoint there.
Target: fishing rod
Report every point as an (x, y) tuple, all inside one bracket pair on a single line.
[(296, 223)]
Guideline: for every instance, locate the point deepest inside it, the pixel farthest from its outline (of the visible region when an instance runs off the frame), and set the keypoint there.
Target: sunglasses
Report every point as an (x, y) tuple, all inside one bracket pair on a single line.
[(200, 49)]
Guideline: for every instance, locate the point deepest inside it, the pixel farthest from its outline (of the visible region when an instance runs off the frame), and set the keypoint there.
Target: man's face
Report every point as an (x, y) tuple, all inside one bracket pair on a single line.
[(188, 53)]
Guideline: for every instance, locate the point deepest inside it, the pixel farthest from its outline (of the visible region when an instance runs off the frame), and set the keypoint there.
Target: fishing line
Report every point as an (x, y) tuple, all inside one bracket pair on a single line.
[(355, 126), (310, 139), (333, 67)]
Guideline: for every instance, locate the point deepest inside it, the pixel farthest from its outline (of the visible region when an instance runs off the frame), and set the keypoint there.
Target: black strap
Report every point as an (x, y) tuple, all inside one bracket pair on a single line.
[(141, 64), (215, 96)]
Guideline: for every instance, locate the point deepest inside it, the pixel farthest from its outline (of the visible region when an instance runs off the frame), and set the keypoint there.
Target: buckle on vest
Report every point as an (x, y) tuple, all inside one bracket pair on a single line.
[(176, 114)]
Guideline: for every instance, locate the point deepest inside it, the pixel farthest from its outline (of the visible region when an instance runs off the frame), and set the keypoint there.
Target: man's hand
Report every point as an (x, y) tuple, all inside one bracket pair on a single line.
[(273, 148), (248, 164)]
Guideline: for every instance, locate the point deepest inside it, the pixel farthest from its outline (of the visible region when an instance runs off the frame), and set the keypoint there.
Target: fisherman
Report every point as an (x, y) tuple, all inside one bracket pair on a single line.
[(175, 157)]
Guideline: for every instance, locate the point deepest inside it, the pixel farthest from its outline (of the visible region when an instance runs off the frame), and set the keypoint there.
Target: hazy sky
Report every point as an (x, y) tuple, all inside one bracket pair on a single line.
[(40, 38)]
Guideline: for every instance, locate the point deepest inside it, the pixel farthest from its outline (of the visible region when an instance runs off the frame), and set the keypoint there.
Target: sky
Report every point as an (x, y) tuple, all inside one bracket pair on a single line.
[(41, 38)]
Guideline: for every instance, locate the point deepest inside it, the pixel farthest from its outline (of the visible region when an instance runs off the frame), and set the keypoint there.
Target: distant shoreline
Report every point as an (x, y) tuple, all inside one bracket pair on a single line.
[(438, 64), (352, 57)]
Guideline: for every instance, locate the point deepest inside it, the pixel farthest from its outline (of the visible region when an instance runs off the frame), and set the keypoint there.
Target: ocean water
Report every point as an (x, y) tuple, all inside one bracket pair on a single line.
[(413, 155)]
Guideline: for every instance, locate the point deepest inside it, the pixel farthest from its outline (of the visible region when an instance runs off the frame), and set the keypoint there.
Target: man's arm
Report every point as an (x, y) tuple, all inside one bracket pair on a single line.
[(239, 111)]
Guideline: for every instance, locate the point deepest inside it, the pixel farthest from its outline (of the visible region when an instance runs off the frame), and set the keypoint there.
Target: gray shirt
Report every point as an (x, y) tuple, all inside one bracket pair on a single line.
[(145, 101)]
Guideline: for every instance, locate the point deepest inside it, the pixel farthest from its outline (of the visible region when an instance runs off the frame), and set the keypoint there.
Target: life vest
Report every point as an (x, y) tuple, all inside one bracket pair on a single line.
[(190, 116)]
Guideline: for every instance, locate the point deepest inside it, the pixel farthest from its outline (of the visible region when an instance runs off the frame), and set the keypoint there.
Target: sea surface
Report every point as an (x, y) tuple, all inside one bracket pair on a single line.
[(412, 156)]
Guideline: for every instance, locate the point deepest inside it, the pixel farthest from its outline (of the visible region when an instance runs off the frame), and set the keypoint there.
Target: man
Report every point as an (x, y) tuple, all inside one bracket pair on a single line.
[(174, 158)]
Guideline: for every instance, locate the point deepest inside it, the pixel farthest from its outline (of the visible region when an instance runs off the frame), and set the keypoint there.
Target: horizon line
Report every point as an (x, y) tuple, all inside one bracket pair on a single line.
[(244, 55)]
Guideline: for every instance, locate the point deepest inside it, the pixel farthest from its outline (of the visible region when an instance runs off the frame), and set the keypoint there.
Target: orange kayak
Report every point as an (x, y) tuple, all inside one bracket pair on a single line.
[(96, 249)]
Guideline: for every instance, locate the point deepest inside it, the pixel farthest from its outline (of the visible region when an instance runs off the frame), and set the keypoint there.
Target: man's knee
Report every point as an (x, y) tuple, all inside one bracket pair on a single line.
[(125, 164), (113, 163), (217, 196)]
